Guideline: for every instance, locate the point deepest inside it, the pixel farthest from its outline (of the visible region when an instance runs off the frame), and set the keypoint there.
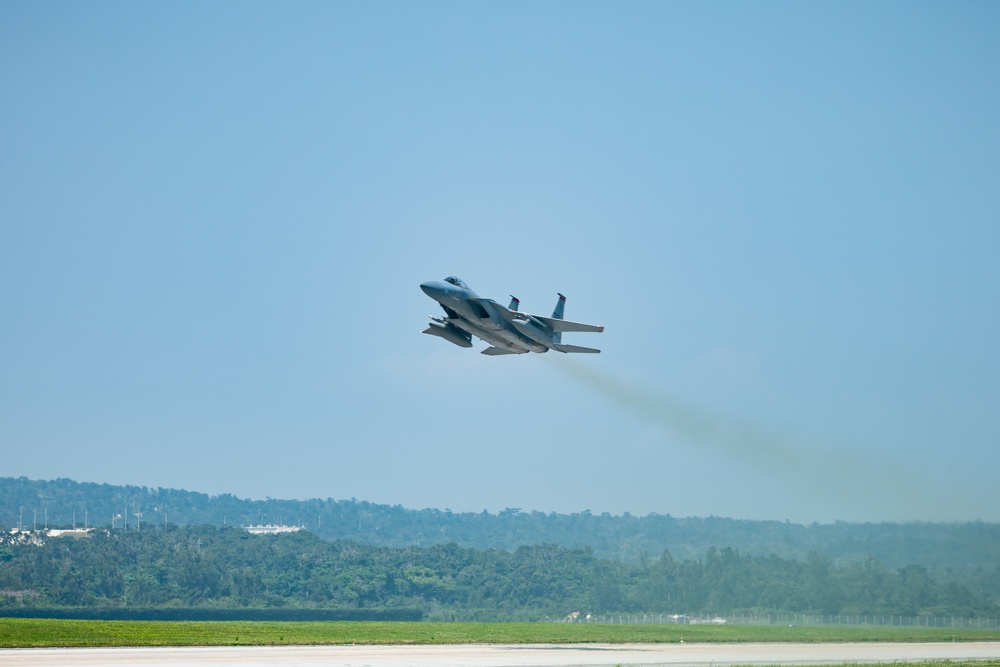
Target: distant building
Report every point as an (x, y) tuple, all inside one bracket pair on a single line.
[(76, 533), (272, 530), (39, 536)]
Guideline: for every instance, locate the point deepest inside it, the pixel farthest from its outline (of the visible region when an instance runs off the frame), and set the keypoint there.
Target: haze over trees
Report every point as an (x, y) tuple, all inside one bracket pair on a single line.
[(627, 538), (511, 565), (206, 566)]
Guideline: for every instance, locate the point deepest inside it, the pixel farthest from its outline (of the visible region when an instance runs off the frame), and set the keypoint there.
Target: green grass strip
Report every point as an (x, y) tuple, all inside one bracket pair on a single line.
[(927, 663), (24, 633)]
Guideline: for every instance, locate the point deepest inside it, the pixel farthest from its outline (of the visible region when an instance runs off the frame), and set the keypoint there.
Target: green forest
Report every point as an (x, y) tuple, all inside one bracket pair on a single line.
[(226, 567), (936, 546), (173, 549)]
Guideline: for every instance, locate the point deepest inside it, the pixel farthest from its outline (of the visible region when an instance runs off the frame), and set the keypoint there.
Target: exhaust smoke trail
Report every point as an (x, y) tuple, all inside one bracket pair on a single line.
[(835, 472)]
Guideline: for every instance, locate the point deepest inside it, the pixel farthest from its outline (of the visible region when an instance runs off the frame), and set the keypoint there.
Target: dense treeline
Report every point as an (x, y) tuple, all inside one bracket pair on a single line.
[(964, 549), (206, 566)]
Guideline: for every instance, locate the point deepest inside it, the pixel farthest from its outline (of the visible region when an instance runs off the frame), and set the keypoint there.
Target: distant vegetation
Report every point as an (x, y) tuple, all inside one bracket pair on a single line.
[(226, 568), (960, 547), (513, 565)]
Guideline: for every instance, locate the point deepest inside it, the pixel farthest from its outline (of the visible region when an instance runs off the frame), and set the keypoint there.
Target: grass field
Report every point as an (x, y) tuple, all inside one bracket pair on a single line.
[(24, 633), (926, 663), (945, 663)]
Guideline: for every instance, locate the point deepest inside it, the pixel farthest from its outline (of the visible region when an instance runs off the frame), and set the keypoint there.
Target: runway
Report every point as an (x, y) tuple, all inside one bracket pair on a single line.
[(506, 655)]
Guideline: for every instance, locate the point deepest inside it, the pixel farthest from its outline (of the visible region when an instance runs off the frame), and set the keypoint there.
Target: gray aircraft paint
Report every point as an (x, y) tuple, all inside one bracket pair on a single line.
[(507, 330)]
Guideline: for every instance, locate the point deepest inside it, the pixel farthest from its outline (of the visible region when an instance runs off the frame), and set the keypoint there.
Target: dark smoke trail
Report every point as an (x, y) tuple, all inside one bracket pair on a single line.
[(835, 472), (694, 425)]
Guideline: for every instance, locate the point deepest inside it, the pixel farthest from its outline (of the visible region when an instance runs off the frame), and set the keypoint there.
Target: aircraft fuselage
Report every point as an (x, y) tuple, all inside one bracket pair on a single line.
[(507, 331), (479, 317)]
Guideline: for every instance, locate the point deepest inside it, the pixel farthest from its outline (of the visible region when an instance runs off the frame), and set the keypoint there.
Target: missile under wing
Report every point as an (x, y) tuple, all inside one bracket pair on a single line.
[(507, 330)]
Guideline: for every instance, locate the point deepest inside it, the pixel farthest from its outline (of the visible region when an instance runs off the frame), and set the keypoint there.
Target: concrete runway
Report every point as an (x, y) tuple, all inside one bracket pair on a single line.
[(507, 655)]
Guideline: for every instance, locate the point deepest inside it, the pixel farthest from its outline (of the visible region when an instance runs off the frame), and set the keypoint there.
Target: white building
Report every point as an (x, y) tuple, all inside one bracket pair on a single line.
[(272, 530)]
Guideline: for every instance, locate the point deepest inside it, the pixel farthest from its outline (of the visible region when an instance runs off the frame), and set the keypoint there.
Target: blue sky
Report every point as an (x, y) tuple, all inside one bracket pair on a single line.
[(214, 218)]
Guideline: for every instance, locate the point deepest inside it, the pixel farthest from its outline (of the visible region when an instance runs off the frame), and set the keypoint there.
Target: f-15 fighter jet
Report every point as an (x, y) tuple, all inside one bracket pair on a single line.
[(505, 329)]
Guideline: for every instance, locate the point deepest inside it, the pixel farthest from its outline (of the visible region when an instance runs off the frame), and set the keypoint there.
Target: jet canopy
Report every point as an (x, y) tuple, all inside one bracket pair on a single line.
[(457, 282)]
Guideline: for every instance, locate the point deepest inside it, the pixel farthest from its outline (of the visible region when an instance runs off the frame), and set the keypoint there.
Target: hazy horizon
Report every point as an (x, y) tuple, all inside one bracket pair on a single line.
[(215, 220), (497, 512)]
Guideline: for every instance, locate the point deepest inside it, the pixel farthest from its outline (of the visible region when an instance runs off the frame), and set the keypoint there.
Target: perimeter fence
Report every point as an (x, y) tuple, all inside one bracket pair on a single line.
[(795, 619)]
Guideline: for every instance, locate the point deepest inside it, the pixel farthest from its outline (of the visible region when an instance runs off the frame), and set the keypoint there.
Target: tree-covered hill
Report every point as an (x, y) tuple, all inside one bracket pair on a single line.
[(959, 547), (226, 568)]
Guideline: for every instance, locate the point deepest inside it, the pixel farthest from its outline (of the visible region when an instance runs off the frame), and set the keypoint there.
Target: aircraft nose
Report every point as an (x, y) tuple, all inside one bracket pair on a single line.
[(432, 289)]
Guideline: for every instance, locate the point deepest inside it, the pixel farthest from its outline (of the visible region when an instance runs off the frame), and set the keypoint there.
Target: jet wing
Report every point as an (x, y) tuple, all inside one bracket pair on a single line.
[(566, 325), (552, 323), (575, 349), (505, 313)]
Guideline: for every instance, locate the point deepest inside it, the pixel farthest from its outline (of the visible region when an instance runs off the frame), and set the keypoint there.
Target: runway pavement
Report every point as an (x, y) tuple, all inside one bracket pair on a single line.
[(507, 655)]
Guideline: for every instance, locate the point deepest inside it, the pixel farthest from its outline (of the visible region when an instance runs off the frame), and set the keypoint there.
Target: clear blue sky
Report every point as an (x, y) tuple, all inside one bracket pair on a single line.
[(214, 218)]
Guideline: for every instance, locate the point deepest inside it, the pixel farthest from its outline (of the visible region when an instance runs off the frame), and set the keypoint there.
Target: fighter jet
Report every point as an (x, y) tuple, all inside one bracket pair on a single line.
[(505, 329)]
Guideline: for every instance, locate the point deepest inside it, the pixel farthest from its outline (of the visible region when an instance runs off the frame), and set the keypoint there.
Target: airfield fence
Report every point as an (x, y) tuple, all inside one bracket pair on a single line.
[(796, 619)]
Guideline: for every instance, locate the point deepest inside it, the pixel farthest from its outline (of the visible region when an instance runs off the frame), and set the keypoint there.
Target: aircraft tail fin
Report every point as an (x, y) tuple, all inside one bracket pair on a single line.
[(514, 303), (557, 314)]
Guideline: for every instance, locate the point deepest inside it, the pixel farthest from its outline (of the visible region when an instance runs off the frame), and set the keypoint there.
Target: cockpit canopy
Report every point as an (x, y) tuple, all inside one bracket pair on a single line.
[(457, 282)]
